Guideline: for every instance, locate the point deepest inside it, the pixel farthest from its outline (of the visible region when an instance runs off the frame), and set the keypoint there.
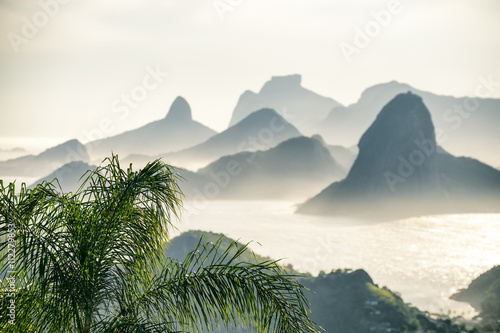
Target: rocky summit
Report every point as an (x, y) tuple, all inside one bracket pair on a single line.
[(400, 171)]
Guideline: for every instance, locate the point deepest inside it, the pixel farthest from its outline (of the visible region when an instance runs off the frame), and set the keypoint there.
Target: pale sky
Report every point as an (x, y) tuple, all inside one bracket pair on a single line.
[(67, 74)]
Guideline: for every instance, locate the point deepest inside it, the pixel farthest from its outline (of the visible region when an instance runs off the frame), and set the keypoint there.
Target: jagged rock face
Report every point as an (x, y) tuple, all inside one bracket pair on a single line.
[(180, 111), (397, 152)]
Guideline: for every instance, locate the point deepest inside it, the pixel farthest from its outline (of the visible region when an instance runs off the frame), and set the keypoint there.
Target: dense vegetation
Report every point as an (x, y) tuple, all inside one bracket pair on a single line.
[(343, 301), (484, 294)]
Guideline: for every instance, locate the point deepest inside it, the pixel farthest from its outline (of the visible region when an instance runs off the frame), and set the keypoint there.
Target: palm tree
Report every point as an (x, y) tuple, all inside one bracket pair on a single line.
[(95, 261)]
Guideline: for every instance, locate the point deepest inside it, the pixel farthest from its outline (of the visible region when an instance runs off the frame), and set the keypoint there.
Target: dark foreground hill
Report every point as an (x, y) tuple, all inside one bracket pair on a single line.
[(400, 171), (342, 301), (483, 294)]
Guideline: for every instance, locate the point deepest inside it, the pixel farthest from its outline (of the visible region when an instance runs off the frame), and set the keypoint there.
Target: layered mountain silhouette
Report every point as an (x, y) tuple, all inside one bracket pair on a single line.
[(400, 171), (69, 177), (176, 131), (45, 162), (341, 301), (344, 156), (286, 95), (296, 168), (483, 294), (263, 129), (465, 126)]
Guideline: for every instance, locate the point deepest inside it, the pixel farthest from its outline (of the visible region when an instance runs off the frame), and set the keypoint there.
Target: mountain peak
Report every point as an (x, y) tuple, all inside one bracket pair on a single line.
[(400, 171), (404, 118), (292, 78), (401, 128), (180, 111), (260, 117), (286, 94), (287, 82)]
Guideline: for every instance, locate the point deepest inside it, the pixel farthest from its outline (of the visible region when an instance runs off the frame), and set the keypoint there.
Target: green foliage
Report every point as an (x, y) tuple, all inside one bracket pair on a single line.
[(180, 247), (95, 261), (348, 301), (484, 294), (341, 301)]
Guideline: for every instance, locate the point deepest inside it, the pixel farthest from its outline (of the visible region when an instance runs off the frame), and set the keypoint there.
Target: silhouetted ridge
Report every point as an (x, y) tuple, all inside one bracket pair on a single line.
[(469, 124), (261, 130), (69, 176), (401, 127), (404, 118), (296, 168), (265, 114), (286, 95), (400, 171), (47, 161), (174, 132), (277, 83)]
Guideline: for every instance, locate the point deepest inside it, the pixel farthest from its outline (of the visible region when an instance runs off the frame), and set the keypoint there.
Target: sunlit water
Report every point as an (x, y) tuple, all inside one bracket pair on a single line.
[(425, 259)]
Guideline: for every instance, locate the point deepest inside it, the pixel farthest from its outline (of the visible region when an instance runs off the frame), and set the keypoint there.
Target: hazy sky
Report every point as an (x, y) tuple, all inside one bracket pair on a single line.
[(67, 75)]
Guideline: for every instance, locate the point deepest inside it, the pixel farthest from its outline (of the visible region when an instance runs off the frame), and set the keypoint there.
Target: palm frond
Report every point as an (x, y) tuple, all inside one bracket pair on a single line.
[(213, 288), (94, 261)]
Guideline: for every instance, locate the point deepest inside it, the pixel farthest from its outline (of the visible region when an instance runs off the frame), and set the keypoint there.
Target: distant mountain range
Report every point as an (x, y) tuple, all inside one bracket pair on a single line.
[(285, 94), (464, 126), (262, 129), (176, 131), (400, 171), (296, 168), (45, 162)]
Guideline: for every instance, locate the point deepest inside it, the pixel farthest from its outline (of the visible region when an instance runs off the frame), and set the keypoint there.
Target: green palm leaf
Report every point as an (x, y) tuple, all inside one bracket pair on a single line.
[(94, 261)]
